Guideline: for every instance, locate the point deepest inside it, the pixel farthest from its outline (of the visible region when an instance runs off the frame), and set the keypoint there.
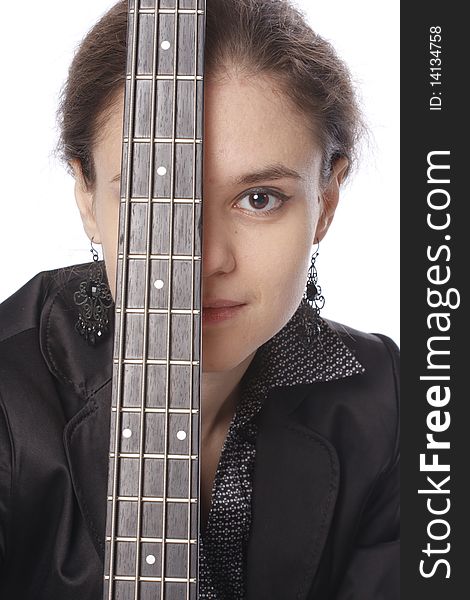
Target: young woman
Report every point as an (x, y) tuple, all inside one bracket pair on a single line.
[(299, 466)]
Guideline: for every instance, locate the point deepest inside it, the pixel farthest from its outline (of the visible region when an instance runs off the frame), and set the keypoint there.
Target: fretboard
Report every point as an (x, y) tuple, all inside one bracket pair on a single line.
[(153, 492)]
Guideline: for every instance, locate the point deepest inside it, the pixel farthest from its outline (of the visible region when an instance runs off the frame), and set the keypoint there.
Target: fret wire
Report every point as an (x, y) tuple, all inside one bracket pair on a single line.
[(153, 500), (155, 361), (123, 302), (171, 411), (168, 11), (150, 579), (170, 270), (165, 77), (163, 201), (148, 140), (160, 257), (155, 55), (151, 540), (155, 456), (159, 311)]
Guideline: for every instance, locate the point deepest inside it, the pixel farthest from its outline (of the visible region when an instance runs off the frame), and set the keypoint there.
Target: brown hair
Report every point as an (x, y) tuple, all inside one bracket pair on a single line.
[(258, 36)]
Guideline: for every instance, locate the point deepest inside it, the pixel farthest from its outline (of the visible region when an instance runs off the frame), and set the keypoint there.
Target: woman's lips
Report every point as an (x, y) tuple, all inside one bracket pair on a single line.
[(216, 314)]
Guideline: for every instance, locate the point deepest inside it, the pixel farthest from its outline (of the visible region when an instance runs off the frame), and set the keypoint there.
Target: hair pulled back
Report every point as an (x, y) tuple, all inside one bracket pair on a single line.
[(268, 37)]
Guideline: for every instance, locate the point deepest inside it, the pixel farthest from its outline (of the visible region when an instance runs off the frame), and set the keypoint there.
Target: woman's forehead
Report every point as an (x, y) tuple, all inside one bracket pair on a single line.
[(251, 132), (258, 99), (246, 119)]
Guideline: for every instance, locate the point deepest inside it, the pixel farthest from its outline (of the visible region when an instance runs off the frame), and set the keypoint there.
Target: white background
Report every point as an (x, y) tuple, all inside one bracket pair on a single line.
[(40, 228)]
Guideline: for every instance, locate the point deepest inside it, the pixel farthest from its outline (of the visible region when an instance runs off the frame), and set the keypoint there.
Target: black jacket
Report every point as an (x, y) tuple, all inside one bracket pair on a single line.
[(326, 483)]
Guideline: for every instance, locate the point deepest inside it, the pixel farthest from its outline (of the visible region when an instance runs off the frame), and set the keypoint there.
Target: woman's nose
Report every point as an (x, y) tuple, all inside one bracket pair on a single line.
[(217, 250)]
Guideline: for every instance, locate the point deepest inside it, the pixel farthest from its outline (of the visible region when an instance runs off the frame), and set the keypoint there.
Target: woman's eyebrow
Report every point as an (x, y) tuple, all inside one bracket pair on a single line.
[(275, 171)]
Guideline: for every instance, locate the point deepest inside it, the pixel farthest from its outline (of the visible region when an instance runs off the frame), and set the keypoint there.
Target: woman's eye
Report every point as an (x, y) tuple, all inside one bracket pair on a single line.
[(262, 202)]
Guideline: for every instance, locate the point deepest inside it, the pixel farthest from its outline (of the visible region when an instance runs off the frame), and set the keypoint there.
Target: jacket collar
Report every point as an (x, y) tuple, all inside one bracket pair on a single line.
[(70, 358), (287, 359)]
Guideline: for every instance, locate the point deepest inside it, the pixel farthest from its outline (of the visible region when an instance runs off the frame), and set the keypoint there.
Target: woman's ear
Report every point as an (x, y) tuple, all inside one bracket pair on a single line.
[(330, 197), (84, 199)]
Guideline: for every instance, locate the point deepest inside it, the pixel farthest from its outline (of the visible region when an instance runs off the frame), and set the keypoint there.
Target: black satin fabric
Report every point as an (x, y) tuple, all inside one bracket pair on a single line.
[(326, 482)]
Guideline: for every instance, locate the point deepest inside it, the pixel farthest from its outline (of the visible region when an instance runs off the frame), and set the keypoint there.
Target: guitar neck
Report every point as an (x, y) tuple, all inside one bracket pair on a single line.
[(153, 509)]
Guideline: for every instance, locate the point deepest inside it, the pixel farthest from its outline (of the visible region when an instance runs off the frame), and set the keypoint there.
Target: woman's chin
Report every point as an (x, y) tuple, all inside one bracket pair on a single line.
[(228, 356), (212, 363)]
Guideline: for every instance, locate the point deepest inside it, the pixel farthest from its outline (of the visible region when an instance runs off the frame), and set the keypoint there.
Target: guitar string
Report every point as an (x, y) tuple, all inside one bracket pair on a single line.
[(170, 270), (191, 388), (144, 372), (123, 295)]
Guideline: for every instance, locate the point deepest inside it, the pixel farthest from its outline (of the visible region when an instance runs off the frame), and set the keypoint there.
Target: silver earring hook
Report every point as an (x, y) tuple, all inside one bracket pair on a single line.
[(93, 251)]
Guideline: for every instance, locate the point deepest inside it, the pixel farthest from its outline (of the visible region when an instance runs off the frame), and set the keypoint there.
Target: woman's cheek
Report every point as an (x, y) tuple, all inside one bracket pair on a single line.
[(108, 225)]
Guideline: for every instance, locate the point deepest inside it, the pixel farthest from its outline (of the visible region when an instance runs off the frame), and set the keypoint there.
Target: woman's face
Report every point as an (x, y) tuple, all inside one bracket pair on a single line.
[(262, 210)]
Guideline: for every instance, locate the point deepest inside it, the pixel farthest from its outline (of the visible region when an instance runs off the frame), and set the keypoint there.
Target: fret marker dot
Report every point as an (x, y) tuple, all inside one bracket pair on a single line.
[(159, 284), (181, 435), (127, 433), (150, 560), (166, 45), (161, 171)]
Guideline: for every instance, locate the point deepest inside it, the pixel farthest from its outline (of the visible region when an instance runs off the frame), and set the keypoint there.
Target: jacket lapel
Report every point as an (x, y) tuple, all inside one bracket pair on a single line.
[(294, 464), (86, 440), (300, 469)]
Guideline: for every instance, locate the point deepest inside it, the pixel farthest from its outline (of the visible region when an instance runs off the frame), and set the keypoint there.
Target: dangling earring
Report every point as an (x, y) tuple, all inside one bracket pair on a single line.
[(312, 301), (93, 299)]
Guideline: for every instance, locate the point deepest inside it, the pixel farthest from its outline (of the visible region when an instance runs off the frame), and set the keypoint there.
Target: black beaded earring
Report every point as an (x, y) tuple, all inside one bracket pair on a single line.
[(312, 302), (93, 299)]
